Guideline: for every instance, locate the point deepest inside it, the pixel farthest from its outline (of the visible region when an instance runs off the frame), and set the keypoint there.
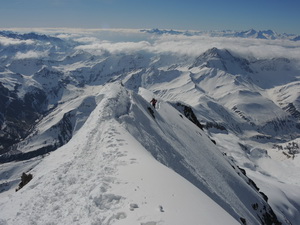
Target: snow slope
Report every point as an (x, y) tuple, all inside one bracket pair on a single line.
[(105, 176)]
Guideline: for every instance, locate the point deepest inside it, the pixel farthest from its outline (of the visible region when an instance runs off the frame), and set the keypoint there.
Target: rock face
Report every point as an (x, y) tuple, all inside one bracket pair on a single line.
[(19, 115), (25, 178), (188, 112)]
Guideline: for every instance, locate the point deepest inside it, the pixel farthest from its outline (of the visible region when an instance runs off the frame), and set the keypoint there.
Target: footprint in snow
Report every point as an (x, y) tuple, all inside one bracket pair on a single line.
[(133, 206), (161, 209), (149, 223), (120, 140)]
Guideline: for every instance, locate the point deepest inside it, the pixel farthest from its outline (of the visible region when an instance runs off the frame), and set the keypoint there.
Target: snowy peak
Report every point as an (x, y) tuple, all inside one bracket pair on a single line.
[(223, 60), (247, 33), (264, 34), (217, 53), (30, 36), (211, 57), (267, 34), (296, 38)]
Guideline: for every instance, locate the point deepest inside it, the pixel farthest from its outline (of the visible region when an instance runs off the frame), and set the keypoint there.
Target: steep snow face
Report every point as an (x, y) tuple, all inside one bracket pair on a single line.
[(177, 143), (105, 176)]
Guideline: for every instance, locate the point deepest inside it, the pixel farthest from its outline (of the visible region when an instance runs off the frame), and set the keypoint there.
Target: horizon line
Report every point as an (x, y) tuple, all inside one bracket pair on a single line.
[(131, 29)]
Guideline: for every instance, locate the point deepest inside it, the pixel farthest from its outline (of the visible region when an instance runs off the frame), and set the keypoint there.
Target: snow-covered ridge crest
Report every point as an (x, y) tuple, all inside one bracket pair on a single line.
[(112, 146)]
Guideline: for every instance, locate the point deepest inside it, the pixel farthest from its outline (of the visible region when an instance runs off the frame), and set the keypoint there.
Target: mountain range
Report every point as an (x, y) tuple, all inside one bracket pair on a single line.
[(220, 147), (260, 34)]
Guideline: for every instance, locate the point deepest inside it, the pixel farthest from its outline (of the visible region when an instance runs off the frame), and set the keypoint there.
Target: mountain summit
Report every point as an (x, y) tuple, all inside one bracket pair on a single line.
[(223, 60)]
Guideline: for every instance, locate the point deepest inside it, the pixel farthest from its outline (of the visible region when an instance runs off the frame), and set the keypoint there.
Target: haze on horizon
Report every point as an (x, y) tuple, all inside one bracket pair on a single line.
[(280, 16)]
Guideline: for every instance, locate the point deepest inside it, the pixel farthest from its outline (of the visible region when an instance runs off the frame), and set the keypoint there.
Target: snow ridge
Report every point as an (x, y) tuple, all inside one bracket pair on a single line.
[(103, 175)]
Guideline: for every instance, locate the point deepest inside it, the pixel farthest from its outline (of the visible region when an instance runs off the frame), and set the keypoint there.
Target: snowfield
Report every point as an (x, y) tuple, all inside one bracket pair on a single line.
[(220, 147)]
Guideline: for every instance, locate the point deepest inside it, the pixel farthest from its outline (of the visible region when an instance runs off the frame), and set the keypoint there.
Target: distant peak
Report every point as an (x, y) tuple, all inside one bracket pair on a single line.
[(222, 59), (217, 53), (27, 36), (251, 33), (269, 31)]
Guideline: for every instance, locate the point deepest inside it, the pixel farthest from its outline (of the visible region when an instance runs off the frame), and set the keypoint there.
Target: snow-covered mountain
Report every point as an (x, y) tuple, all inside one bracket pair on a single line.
[(260, 34), (221, 140)]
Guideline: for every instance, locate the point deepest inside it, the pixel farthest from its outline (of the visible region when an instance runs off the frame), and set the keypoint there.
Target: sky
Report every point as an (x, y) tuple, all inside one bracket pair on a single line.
[(280, 16)]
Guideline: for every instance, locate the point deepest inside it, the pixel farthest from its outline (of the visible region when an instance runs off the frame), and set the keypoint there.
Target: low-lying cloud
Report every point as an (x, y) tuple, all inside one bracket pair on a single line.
[(5, 41), (187, 45), (97, 41), (118, 47), (30, 55)]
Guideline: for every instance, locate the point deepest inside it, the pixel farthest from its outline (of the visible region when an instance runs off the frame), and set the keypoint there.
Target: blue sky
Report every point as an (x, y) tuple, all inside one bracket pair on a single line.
[(281, 16)]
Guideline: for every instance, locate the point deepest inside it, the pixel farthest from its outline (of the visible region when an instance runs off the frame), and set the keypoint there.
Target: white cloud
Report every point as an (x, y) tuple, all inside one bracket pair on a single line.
[(10, 41), (87, 40), (257, 48), (132, 40), (106, 46), (30, 54)]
